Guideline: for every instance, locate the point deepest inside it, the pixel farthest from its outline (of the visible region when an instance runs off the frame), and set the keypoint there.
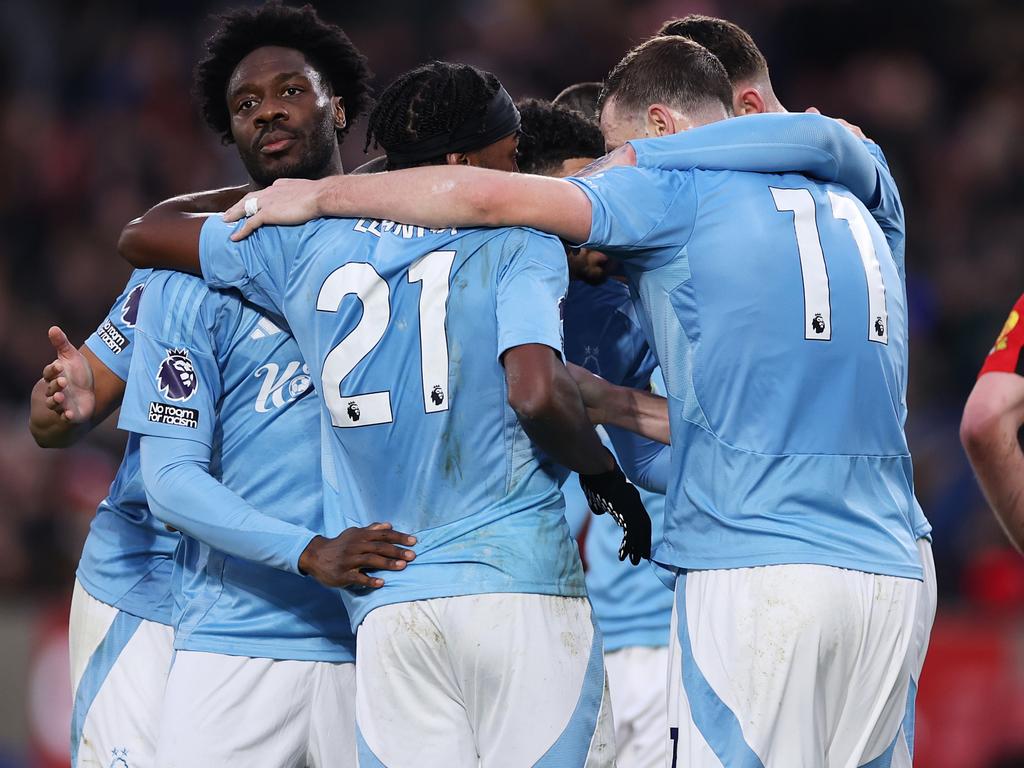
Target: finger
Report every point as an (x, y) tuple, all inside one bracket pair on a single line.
[(379, 526), (53, 387), (391, 551), (59, 340), (813, 110), (53, 370), (359, 579), (378, 563), (236, 211), (392, 537), (60, 398), (251, 225)]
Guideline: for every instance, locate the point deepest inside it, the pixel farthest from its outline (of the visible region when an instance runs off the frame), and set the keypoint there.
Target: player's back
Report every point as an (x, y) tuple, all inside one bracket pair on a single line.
[(778, 316), (408, 330)]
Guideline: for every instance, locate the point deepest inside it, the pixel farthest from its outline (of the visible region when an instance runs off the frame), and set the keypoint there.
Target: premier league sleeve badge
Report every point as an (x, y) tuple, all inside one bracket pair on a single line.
[(176, 377)]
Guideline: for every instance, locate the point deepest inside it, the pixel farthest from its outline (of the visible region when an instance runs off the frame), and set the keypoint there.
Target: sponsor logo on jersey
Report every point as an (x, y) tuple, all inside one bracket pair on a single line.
[(173, 415), (130, 308), (116, 341), (281, 386), (176, 378)]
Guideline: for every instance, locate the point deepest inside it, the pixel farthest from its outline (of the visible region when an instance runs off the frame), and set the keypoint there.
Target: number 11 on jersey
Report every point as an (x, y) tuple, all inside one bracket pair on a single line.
[(817, 298)]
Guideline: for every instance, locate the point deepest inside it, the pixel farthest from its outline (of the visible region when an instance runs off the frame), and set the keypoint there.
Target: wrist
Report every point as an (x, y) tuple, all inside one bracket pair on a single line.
[(308, 558)]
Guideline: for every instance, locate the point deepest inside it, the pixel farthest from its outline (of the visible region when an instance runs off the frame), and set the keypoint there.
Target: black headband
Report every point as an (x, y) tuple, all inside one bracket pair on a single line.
[(500, 119)]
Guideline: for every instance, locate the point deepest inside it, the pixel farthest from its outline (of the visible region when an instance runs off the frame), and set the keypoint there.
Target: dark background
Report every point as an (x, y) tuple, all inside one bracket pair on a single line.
[(97, 124)]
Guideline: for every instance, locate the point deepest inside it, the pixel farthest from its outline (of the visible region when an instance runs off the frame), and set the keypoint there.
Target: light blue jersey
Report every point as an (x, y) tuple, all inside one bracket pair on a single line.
[(212, 375), (777, 312), (404, 329), (802, 143), (632, 605), (128, 555)]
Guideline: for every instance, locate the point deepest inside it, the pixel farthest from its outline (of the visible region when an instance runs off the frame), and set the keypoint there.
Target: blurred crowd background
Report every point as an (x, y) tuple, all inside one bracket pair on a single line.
[(97, 124)]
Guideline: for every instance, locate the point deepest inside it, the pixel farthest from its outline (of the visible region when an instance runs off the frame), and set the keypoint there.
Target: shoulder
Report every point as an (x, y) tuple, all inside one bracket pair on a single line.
[(1007, 354), (175, 303)]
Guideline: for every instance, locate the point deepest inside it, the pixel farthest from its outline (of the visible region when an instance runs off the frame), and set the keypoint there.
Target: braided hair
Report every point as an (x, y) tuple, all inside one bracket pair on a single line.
[(431, 100), (242, 30)]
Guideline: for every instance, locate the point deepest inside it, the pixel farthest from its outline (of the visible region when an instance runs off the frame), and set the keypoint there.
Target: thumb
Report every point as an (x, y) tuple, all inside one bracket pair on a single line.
[(59, 341)]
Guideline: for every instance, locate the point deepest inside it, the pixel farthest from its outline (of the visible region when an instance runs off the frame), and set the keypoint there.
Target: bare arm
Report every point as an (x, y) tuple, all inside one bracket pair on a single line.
[(634, 410), (549, 407), (989, 431), (76, 393), (167, 235), (435, 196)]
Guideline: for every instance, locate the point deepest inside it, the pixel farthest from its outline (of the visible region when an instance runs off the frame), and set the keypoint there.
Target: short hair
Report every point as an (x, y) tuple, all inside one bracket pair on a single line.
[(552, 134), (733, 46), (670, 70), (431, 100), (242, 30), (582, 97)]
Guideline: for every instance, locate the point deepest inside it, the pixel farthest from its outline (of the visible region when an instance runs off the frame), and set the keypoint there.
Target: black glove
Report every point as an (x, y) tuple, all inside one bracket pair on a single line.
[(611, 492)]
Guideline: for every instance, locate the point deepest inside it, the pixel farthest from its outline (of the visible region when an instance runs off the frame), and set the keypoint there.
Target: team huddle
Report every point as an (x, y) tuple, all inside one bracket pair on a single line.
[(344, 530)]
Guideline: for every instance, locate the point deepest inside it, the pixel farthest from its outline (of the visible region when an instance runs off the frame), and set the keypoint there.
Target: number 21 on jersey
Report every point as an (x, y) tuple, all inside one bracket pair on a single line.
[(817, 303), (360, 279)]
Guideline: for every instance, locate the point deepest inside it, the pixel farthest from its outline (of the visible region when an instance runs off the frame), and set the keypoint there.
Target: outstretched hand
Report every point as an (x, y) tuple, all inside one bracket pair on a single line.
[(340, 562), (69, 380), (287, 201)]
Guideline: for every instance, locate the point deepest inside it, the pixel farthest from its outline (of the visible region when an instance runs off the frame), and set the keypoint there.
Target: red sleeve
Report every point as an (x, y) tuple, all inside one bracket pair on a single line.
[(1007, 355)]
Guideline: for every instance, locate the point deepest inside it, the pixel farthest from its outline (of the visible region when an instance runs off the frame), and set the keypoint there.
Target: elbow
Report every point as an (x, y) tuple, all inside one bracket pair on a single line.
[(129, 245), (980, 424), (532, 404)]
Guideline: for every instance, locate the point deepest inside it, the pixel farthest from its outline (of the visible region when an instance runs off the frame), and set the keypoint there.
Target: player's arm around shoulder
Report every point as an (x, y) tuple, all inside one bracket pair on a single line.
[(436, 196), (990, 429)]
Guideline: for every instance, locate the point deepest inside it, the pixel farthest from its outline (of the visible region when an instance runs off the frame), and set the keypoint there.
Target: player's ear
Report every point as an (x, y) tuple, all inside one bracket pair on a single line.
[(338, 112), (748, 101), (661, 121), (457, 158)]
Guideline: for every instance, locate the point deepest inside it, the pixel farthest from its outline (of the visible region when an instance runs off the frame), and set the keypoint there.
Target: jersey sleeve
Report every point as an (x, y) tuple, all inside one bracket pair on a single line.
[(257, 266), (112, 341), (532, 281), (640, 215), (1007, 356), (175, 383), (888, 210), (813, 145)]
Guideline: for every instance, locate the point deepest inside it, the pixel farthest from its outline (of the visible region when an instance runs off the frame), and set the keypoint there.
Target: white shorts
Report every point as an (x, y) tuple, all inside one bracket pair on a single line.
[(482, 680), (794, 666), (119, 666), (636, 681), (228, 711)]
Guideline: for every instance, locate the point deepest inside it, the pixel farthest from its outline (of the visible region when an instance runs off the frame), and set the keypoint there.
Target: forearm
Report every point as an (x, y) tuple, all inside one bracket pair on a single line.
[(460, 196), (813, 145), (48, 428), (182, 494), (637, 411), (559, 426), (645, 462)]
